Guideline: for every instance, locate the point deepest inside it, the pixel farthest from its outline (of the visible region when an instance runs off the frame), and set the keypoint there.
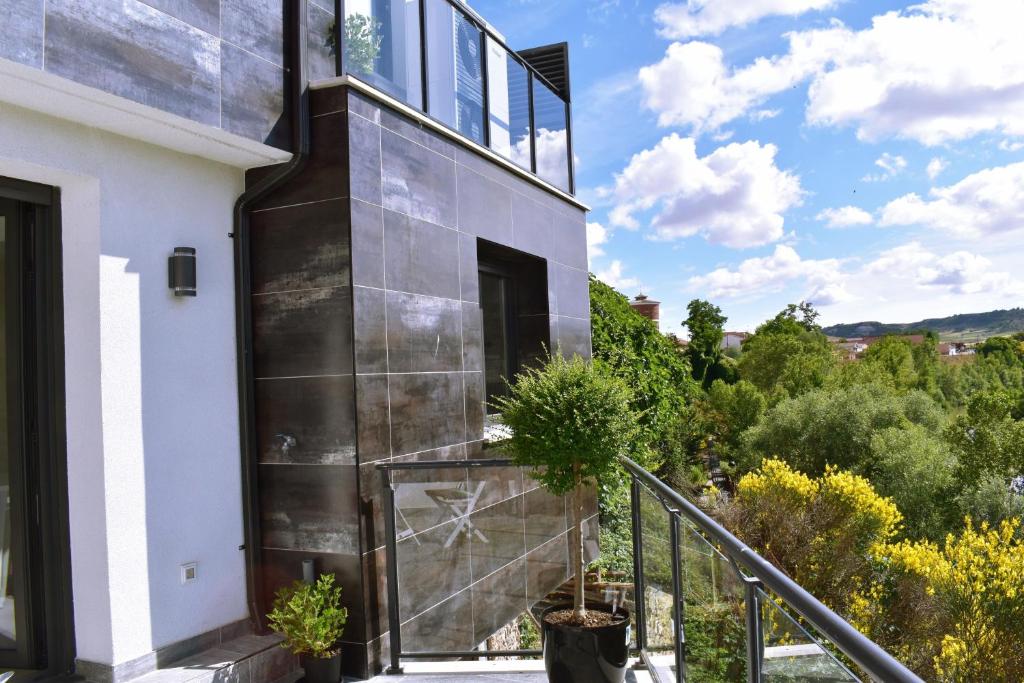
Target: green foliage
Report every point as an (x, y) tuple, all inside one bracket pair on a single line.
[(734, 408), (310, 617), (835, 426), (894, 357), (629, 346), (988, 440), (706, 325), (964, 325), (715, 642), (570, 421), (793, 319), (785, 354), (1008, 349), (363, 36), (990, 500), (915, 467)]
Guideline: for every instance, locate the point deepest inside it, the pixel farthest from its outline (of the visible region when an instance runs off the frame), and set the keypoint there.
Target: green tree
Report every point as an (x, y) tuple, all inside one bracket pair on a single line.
[(795, 361), (793, 319), (836, 426), (707, 328), (732, 409), (893, 356), (987, 439), (1006, 348)]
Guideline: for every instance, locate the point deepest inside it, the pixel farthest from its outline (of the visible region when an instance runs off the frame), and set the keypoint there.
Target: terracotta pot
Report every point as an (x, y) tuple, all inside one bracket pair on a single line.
[(575, 654)]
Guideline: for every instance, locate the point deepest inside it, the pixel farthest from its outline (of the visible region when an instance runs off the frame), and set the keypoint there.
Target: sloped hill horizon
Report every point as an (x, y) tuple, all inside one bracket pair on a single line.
[(959, 327)]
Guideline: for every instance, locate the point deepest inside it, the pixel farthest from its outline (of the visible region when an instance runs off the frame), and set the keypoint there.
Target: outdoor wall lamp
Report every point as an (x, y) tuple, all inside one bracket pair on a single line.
[(181, 271)]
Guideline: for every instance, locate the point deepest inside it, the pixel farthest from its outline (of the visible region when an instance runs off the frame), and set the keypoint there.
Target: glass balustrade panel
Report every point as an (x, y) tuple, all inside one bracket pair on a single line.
[(508, 94), (791, 654), (455, 75), (551, 135), (381, 40)]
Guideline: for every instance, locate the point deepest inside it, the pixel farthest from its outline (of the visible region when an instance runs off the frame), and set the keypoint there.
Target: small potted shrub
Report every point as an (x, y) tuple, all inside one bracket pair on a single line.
[(311, 619), (569, 423)]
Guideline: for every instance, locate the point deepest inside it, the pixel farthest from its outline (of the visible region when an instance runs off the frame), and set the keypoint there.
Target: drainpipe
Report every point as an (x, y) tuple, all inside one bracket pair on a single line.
[(299, 97)]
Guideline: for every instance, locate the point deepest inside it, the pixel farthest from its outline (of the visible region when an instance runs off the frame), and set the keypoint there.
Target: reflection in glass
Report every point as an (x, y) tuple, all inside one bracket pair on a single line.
[(455, 70), (382, 46), (494, 307), (509, 98), (551, 135), (8, 636), (791, 653)]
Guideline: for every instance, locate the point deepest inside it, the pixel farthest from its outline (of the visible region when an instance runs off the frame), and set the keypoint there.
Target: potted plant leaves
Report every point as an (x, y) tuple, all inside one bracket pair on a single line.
[(312, 620), (569, 422)]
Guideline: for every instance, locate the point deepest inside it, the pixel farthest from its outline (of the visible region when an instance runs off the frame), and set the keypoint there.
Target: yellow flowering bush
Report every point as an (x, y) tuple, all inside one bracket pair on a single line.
[(959, 607)]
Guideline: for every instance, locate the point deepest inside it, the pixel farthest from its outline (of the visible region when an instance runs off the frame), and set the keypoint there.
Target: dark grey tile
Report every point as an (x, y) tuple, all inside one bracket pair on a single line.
[(498, 599), (417, 181), (23, 32), (468, 268), (574, 337), (364, 160), (305, 333), (309, 420), (424, 333), (325, 175), (144, 55), (371, 340), (373, 418), (492, 485), (309, 507), (427, 411), (375, 593), (534, 339), (371, 510), (272, 665), (203, 14), (545, 517), (472, 337), (420, 257), (284, 567), (256, 26), (300, 247), (432, 565), (547, 567), (502, 526), (570, 238), (364, 106), (447, 626), (572, 291), (318, 37), (485, 208), (476, 398), (416, 133), (252, 97), (187, 647), (367, 245), (330, 100), (533, 228)]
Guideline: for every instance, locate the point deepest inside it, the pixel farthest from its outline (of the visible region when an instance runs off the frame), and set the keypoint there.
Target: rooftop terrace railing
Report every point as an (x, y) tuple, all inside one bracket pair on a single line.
[(441, 58), (705, 607)]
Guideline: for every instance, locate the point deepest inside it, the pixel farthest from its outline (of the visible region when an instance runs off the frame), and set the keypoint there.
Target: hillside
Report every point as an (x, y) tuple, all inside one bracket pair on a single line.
[(961, 327)]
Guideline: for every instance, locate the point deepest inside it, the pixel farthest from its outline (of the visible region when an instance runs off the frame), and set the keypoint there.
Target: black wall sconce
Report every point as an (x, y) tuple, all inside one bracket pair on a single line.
[(181, 271)]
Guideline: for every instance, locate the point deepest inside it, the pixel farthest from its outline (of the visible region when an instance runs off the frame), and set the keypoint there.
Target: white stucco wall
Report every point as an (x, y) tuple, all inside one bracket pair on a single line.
[(153, 459)]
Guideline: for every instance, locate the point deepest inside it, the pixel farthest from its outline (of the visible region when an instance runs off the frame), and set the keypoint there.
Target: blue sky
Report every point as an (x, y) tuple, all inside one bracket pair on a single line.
[(865, 156)]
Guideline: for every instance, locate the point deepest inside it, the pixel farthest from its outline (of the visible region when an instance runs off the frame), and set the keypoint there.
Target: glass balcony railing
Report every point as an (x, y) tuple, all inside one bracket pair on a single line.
[(438, 57)]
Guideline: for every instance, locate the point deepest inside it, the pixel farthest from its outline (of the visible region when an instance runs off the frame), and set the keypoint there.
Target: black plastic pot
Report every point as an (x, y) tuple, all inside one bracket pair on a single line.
[(573, 654), (322, 669)]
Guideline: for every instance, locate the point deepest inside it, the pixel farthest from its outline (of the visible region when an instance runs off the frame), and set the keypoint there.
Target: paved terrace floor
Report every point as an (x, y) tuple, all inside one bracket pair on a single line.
[(484, 672)]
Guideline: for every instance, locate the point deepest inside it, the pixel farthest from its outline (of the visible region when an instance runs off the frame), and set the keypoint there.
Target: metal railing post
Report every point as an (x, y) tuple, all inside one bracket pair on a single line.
[(677, 595), (755, 629), (394, 619), (639, 592)]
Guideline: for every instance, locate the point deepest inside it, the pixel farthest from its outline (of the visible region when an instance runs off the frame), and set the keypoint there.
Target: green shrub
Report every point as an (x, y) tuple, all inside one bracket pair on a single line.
[(310, 617)]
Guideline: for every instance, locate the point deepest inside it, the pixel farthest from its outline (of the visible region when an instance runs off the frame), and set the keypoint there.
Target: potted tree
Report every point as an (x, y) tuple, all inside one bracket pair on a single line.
[(312, 620), (569, 422)]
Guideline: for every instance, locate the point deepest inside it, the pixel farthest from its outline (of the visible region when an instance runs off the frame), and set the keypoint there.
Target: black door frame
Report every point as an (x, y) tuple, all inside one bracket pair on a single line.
[(42, 361)]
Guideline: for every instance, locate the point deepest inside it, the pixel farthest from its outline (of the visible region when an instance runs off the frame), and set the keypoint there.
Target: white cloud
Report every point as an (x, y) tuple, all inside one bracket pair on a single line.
[(614, 276), (597, 235), (711, 17), (935, 167), (844, 217), (985, 203), (764, 114), (735, 196), (1011, 146), (891, 165), (823, 279), (939, 71), (960, 272)]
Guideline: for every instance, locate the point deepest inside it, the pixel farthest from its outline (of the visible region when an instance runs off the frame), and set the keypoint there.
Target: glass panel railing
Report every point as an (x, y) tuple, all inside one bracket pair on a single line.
[(508, 94), (713, 612), (455, 78), (381, 41), (656, 570), (791, 654), (550, 119)]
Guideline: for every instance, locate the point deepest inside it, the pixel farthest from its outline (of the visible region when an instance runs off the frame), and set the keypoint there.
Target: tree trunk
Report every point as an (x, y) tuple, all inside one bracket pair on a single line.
[(579, 608)]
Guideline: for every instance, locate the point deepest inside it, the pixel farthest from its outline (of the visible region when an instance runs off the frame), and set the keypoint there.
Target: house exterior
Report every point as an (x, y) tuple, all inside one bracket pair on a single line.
[(733, 340), (380, 232), (648, 308)]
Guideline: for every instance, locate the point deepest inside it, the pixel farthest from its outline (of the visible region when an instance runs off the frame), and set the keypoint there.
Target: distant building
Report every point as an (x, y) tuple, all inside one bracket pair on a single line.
[(733, 340), (648, 308)]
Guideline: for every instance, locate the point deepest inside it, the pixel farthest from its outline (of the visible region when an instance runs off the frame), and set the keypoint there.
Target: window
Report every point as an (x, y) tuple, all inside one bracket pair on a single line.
[(552, 150), (455, 83), (508, 90), (382, 46), (514, 313)]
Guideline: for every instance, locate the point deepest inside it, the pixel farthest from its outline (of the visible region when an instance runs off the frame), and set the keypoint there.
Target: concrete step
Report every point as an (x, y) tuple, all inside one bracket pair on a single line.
[(247, 659)]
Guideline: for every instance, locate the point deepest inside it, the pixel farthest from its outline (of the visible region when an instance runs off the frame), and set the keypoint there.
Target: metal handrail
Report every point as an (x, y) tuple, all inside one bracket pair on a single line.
[(867, 654)]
